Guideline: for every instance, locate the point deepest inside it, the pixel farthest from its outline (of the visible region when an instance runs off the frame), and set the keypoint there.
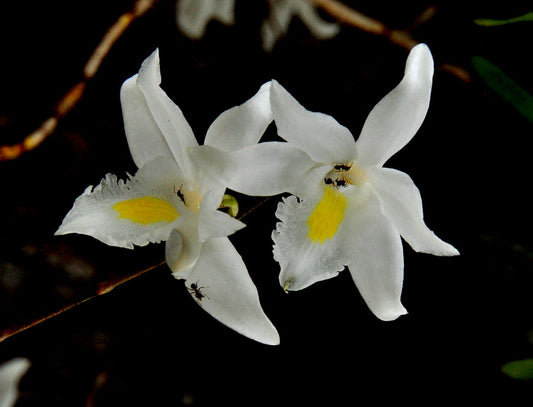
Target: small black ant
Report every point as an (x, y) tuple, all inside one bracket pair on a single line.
[(196, 290), (179, 193), (341, 183), (336, 183), (342, 167)]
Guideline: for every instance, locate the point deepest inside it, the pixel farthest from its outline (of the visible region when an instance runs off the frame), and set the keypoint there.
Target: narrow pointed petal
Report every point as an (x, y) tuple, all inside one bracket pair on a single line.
[(213, 223), (145, 139), (318, 27), (402, 204), (193, 16), (168, 116), (227, 292), (375, 259), (136, 212), (241, 125), (225, 11), (318, 134), (10, 374), (260, 170), (397, 117), (269, 36), (302, 260), (277, 24), (281, 14)]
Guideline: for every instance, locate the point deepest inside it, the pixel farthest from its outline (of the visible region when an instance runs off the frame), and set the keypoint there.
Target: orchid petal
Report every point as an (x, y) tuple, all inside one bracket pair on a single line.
[(375, 259), (95, 212), (397, 117), (303, 261), (318, 134), (402, 204), (167, 115), (193, 15), (224, 11), (281, 14), (277, 24), (225, 290), (145, 139), (260, 170), (318, 27), (269, 36), (208, 184), (213, 223), (242, 125), (10, 374)]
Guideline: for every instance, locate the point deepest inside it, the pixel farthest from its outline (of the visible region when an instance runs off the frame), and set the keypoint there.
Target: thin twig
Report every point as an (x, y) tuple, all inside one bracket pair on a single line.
[(102, 289), (254, 208), (74, 95), (402, 38)]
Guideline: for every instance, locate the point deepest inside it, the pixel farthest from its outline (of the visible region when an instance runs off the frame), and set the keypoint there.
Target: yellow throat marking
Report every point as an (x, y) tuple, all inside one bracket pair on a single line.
[(327, 215), (145, 210)]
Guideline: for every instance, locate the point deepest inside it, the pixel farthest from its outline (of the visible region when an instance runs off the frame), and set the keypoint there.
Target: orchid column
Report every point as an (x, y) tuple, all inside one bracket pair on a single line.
[(171, 199)]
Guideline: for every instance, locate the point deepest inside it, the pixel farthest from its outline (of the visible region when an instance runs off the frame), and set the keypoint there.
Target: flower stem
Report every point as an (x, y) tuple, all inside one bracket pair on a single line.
[(103, 288)]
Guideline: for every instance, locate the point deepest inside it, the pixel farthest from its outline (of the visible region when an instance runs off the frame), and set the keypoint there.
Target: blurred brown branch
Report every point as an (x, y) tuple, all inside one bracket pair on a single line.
[(74, 95), (402, 38), (357, 19)]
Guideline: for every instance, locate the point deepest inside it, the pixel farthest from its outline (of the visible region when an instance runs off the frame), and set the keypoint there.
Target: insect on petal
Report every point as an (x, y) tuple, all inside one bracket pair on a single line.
[(224, 289)]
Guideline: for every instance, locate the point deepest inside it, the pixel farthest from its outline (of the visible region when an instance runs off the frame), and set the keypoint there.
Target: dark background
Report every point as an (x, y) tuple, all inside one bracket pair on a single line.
[(146, 342)]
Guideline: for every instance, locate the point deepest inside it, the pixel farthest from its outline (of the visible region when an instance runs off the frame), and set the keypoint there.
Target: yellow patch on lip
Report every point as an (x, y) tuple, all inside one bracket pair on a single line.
[(327, 215), (145, 210)]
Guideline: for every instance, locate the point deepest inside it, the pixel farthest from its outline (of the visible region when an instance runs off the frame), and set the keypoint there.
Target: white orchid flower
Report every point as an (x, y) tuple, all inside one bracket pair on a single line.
[(192, 16), (171, 199), (348, 209), (10, 374), (281, 13)]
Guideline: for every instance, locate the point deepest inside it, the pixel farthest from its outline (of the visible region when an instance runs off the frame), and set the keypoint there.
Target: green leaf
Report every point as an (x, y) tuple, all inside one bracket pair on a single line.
[(230, 204), (519, 369), (488, 22), (504, 86)]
